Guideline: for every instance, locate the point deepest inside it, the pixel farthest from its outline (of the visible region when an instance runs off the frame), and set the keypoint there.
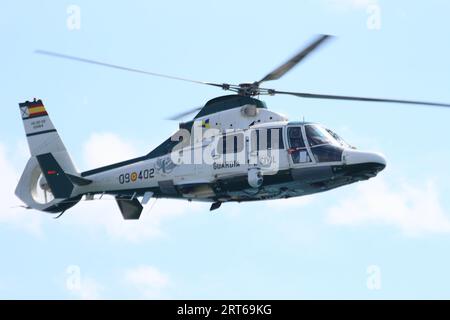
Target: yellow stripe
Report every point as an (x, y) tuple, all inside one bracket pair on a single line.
[(36, 110)]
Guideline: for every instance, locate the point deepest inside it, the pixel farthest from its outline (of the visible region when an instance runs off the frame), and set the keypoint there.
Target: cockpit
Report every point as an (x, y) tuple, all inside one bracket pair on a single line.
[(313, 140)]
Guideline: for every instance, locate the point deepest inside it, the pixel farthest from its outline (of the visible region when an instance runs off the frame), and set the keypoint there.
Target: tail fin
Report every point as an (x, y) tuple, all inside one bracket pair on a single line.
[(42, 136), (49, 176)]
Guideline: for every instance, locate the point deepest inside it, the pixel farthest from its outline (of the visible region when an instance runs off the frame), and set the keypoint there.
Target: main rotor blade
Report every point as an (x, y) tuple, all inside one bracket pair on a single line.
[(183, 114), (351, 98), (109, 65), (288, 65)]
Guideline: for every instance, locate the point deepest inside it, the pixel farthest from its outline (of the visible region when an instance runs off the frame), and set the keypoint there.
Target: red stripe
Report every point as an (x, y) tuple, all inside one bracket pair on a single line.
[(51, 172), (38, 114)]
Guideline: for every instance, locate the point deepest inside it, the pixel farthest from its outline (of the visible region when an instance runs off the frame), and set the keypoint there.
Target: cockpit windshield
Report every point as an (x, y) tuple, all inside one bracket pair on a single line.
[(325, 145), (341, 141), (318, 135)]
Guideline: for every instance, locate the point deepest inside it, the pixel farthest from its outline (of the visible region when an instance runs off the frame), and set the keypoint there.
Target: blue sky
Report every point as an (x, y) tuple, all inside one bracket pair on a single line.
[(384, 238)]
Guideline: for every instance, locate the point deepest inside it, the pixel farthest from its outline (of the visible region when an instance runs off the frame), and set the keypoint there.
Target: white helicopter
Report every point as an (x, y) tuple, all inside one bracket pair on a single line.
[(233, 150)]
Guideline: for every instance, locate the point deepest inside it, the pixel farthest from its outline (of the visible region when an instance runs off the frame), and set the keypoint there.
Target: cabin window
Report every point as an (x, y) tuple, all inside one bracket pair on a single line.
[(275, 138), (231, 143), (264, 139)]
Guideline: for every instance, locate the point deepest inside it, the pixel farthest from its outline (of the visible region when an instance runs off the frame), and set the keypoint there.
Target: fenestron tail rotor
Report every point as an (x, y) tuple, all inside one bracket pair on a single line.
[(254, 89), (40, 190)]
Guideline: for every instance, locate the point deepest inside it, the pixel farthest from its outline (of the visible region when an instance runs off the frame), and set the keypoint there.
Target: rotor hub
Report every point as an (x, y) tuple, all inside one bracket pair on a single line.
[(248, 89)]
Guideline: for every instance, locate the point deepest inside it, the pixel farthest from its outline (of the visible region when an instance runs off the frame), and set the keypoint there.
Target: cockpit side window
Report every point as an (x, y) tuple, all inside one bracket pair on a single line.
[(296, 137), (297, 148)]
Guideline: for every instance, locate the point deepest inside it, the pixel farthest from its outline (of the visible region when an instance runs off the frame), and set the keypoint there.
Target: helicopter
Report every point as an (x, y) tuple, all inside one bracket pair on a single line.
[(233, 150)]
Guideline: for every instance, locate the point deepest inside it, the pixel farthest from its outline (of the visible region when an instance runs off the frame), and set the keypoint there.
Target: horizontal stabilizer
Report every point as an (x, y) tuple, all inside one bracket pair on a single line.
[(79, 181), (130, 209)]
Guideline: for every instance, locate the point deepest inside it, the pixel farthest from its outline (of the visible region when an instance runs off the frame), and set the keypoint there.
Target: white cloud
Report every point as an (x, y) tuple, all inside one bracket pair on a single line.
[(10, 211), (106, 148), (415, 210), (148, 280)]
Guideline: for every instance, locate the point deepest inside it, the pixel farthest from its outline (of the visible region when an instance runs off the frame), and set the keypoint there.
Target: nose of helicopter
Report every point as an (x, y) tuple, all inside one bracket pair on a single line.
[(367, 164)]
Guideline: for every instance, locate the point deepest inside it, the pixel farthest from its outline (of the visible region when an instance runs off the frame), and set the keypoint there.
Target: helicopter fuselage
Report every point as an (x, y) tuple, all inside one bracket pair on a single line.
[(240, 153)]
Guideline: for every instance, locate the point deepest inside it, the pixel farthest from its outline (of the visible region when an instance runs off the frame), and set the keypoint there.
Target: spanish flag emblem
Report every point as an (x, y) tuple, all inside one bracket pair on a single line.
[(31, 109), (36, 110), (205, 124)]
